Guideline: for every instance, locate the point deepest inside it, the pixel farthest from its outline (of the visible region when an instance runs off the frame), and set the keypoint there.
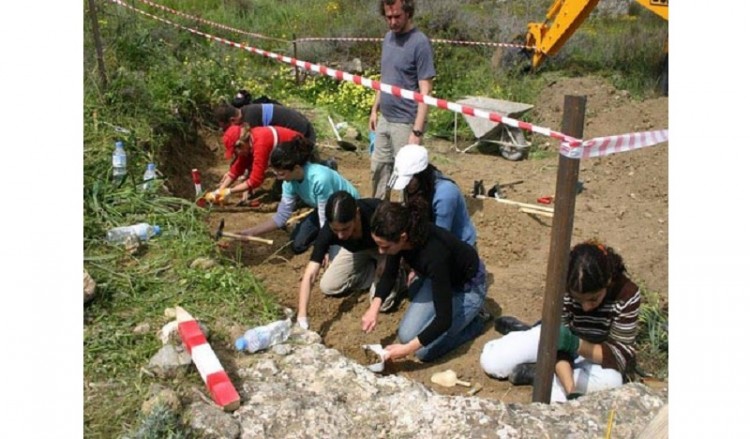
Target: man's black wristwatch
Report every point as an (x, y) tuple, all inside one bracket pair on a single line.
[(417, 133)]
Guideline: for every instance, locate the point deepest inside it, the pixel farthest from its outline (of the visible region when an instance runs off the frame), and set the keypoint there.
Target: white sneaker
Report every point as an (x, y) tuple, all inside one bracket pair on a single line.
[(392, 299)]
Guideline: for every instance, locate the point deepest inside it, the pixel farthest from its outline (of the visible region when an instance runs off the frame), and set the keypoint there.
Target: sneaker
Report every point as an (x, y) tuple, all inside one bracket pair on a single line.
[(394, 297), (523, 374), (390, 301), (507, 324)]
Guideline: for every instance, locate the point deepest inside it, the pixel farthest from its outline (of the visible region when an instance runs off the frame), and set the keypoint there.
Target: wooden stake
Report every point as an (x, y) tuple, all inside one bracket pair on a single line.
[(537, 212), (299, 216), (517, 203), (97, 44), (557, 265)]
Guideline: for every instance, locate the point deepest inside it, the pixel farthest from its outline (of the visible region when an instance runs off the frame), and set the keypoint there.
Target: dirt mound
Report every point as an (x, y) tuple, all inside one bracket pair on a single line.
[(624, 203)]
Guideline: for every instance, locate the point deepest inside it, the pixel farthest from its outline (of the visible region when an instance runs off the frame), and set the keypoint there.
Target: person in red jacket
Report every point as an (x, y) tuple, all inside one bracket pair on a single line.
[(250, 150)]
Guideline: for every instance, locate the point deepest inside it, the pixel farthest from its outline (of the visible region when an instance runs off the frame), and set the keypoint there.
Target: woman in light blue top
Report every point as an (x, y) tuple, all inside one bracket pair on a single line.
[(309, 182)]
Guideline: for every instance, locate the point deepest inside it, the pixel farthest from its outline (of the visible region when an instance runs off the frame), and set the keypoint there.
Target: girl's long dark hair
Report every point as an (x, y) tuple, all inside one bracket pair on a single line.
[(391, 219), (422, 198), (592, 266)]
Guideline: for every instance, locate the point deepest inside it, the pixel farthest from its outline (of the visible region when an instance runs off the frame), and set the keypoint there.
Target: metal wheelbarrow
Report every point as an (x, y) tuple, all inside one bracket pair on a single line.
[(510, 140)]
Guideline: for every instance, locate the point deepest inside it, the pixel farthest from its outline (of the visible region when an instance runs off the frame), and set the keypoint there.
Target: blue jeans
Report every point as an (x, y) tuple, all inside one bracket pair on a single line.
[(305, 232), (465, 326)]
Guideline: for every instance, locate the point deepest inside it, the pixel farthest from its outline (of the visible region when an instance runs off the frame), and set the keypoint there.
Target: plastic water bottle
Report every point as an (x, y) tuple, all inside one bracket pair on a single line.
[(119, 161), (263, 337), (149, 176), (372, 141), (142, 231)]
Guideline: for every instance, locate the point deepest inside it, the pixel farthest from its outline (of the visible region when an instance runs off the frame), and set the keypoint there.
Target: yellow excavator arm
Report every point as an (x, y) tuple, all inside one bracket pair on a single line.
[(563, 19)]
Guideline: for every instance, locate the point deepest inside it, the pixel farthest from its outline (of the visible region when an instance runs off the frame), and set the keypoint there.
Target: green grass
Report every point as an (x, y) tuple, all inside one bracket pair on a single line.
[(653, 335)]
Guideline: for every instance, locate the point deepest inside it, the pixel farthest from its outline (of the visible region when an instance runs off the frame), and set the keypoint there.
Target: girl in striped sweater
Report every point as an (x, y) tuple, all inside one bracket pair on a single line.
[(596, 345)]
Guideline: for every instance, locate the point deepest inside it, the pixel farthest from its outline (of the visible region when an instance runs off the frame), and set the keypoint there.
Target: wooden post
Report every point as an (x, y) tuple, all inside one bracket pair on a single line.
[(296, 69), (97, 44), (557, 264)]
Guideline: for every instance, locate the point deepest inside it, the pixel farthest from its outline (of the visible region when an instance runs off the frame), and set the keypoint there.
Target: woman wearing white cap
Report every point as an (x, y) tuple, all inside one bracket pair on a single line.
[(425, 187), (413, 174)]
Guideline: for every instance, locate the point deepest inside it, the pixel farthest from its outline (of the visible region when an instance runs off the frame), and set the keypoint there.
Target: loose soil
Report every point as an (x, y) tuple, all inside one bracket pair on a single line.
[(624, 203)]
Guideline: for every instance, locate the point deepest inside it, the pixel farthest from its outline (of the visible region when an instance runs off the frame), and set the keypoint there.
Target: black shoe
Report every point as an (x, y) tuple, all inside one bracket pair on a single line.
[(506, 324), (484, 314), (523, 374)]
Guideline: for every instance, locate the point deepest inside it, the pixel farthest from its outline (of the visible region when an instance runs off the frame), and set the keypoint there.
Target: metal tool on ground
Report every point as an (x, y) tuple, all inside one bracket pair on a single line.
[(220, 233), (479, 188), (343, 144), (448, 378), (495, 192), (547, 199)]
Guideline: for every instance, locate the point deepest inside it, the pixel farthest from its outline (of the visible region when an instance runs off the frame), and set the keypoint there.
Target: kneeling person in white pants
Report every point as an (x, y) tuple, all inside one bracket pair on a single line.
[(596, 345)]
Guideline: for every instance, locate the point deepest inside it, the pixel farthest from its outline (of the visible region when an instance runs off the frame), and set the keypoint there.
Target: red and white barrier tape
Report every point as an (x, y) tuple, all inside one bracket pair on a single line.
[(602, 146), (432, 40), (219, 385), (569, 141)]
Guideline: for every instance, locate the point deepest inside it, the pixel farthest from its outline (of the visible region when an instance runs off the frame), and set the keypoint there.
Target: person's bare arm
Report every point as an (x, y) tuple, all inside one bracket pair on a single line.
[(591, 351), (305, 287), (261, 229), (374, 112), (425, 88), (564, 373)]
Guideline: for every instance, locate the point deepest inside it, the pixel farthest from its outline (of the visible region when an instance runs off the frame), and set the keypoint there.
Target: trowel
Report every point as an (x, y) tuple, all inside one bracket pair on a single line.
[(343, 144)]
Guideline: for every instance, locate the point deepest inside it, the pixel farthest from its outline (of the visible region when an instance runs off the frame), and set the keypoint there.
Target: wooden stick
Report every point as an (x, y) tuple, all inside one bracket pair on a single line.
[(247, 238), (516, 203), (299, 216), (536, 212)]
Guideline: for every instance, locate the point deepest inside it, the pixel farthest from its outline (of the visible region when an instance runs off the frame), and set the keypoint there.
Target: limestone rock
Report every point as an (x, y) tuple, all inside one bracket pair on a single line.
[(89, 287), (211, 422), (203, 263), (170, 362), (160, 395)]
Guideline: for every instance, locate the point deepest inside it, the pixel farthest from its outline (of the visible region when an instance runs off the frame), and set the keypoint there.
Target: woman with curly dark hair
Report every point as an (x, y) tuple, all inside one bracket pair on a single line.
[(444, 311)]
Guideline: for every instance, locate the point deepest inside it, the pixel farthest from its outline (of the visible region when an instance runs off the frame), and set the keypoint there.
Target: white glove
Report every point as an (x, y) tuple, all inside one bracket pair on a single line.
[(302, 322)]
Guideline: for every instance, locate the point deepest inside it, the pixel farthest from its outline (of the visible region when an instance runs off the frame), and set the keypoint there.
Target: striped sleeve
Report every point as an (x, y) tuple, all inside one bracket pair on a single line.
[(619, 348)]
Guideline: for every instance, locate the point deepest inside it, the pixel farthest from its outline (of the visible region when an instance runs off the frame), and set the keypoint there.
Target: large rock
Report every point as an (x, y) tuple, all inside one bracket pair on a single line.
[(308, 390), (170, 361), (211, 422)]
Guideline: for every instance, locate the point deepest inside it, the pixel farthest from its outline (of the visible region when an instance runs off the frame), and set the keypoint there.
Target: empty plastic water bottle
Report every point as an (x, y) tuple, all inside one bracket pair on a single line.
[(263, 337), (142, 231), (149, 176), (119, 161), (372, 141)]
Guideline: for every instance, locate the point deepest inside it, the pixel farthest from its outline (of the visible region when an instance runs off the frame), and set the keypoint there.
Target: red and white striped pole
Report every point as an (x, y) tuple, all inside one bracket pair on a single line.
[(221, 388), (197, 182)]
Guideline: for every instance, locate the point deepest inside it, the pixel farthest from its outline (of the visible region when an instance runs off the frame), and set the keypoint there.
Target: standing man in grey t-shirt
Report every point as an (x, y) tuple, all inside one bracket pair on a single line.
[(407, 62)]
